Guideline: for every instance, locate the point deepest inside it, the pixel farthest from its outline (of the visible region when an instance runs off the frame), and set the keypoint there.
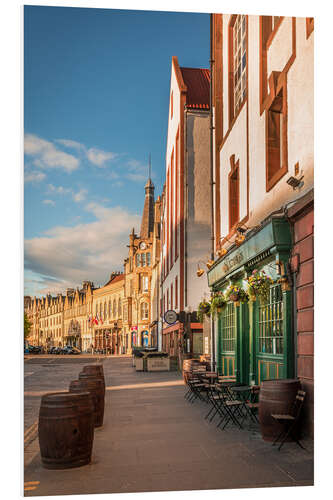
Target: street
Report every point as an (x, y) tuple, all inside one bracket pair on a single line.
[(153, 439)]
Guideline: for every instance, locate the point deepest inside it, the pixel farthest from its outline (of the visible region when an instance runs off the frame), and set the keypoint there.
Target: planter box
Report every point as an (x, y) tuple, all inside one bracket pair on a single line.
[(157, 364), (139, 364)]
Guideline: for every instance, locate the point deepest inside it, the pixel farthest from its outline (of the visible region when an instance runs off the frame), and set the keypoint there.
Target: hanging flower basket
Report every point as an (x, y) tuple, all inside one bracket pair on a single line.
[(203, 310), (236, 294), (259, 285), (217, 303)]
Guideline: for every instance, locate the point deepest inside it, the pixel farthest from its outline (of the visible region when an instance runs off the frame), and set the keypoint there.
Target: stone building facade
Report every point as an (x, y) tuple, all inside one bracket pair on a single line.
[(105, 318)]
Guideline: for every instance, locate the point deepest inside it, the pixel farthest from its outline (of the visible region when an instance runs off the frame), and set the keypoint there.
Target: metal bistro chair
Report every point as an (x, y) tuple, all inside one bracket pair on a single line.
[(253, 403), (196, 388), (228, 409), (290, 421)]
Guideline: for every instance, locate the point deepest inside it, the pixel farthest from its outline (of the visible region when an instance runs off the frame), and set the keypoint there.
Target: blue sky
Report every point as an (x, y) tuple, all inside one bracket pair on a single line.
[(96, 98)]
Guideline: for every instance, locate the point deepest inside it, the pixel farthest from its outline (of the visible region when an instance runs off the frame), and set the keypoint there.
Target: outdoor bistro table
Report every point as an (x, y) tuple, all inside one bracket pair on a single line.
[(244, 392), (211, 376)]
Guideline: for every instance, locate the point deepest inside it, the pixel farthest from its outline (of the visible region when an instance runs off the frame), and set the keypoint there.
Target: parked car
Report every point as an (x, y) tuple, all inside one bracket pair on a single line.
[(57, 350), (68, 349), (34, 349)]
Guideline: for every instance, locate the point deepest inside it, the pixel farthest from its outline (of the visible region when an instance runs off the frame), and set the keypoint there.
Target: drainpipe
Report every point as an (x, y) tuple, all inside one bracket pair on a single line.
[(211, 62), (186, 208), (294, 295)]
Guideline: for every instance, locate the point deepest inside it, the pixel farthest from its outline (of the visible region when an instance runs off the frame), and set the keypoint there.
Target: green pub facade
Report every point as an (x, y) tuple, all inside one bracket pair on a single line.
[(255, 341)]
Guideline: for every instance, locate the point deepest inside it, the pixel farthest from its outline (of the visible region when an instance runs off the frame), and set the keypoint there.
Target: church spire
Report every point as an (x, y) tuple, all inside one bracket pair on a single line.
[(147, 223)]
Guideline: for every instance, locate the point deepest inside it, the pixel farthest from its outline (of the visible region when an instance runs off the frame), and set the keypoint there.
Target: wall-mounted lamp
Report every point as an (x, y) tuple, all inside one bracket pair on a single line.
[(221, 252), (295, 183), (239, 239), (209, 263), (200, 270)]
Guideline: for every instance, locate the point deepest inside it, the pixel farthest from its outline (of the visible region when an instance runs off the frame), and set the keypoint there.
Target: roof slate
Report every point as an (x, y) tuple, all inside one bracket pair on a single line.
[(197, 81)]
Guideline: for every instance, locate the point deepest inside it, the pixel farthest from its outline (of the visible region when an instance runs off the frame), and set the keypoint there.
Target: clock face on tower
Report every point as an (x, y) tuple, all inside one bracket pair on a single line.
[(142, 245)]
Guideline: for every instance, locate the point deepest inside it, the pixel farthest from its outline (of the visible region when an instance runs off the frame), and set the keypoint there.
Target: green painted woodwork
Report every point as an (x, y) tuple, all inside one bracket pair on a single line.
[(273, 238), (226, 340), (262, 345)]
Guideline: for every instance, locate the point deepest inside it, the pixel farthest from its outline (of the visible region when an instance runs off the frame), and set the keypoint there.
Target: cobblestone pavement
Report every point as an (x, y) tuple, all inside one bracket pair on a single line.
[(154, 440)]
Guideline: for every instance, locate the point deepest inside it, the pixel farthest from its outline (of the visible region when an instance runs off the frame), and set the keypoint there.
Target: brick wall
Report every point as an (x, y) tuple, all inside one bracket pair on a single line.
[(303, 259)]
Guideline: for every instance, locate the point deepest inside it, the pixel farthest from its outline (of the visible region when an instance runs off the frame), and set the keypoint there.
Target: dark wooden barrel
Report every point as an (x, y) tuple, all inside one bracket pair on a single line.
[(95, 370), (188, 365), (276, 396), (95, 388), (66, 430), (95, 384)]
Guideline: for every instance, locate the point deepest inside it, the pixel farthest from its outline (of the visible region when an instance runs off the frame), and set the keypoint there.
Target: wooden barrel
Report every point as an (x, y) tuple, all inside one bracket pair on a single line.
[(276, 396), (188, 365), (95, 388), (95, 370), (66, 430)]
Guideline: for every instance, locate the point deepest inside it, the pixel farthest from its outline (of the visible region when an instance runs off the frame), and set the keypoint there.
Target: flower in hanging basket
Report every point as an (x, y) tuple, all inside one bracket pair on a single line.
[(236, 294), (259, 285), (203, 310), (217, 303)]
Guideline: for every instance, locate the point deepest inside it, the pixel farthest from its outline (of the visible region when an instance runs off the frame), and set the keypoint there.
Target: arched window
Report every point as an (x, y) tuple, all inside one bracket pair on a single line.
[(114, 308), (119, 307), (105, 311), (110, 309), (144, 310)]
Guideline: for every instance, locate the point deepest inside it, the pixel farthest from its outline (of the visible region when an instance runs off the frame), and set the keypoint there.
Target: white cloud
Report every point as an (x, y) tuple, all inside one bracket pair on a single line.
[(58, 189), (49, 202), (34, 176), (68, 143), (80, 195), (46, 155), (86, 251), (138, 172), (99, 157)]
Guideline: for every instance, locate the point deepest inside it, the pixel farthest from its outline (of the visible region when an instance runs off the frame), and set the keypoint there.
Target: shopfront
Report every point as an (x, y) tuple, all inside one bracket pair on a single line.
[(254, 338)]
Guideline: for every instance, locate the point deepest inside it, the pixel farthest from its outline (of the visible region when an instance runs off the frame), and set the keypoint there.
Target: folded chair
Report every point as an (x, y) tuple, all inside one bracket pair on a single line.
[(253, 403), (290, 421), (229, 409)]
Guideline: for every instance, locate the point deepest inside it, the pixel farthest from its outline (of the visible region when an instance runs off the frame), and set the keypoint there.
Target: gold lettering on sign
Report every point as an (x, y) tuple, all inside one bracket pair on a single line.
[(231, 262)]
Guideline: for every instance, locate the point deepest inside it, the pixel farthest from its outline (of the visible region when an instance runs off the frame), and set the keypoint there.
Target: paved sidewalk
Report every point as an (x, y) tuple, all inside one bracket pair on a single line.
[(154, 440)]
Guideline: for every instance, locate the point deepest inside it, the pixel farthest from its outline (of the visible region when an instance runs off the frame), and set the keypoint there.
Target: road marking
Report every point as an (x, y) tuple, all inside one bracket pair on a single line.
[(31, 433), (28, 373), (29, 488), (30, 483)]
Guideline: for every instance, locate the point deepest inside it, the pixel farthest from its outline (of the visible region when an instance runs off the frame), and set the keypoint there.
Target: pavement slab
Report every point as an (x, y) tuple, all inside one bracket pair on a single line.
[(154, 440)]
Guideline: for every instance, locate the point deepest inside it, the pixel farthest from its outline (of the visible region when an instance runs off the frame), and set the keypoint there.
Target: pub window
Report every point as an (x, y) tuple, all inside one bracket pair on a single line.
[(125, 313), (144, 310), (237, 63), (234, 196), (228, 328), (271, 323), (144, 283), (268, 24), (137, 260), (143, 259), (276, 140), (148, 258)]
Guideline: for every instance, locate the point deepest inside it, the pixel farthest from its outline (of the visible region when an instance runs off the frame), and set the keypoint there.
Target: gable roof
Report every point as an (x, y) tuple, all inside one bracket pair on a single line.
[(114, 278), (197, 81)]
